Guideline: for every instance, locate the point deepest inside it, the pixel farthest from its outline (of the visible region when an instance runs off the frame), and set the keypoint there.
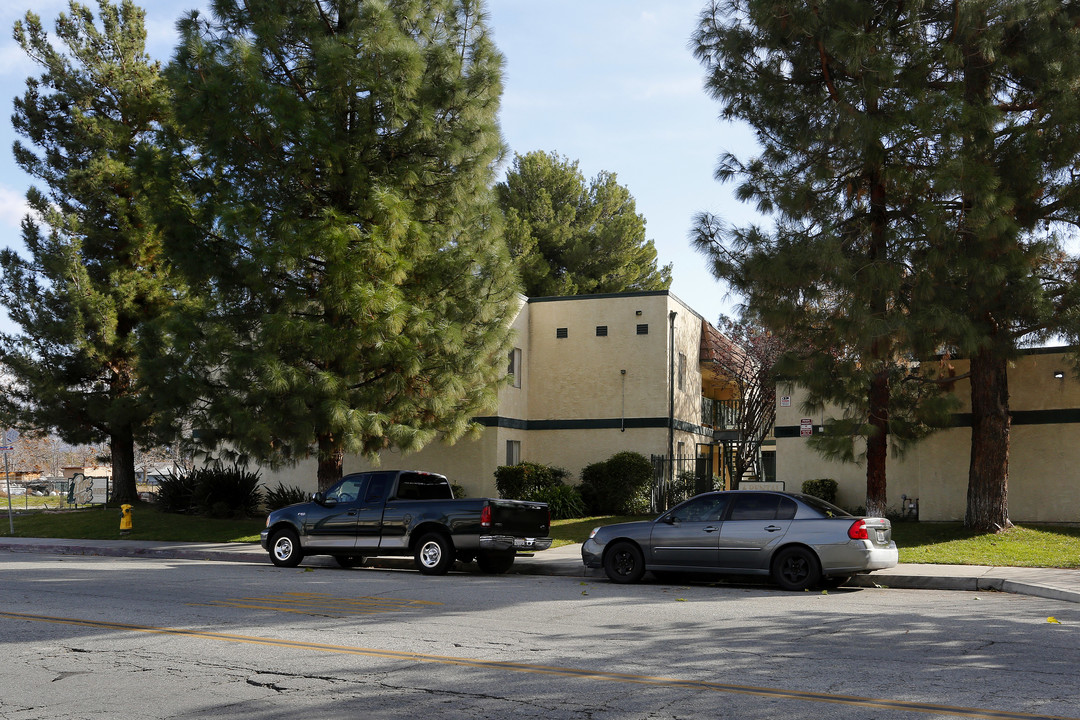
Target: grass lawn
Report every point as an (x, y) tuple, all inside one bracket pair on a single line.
[(936, 543), (97, 523), (1056, 546)]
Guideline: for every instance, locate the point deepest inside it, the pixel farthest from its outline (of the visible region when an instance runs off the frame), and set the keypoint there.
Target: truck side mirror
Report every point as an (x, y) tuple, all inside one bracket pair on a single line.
[(321, 499)]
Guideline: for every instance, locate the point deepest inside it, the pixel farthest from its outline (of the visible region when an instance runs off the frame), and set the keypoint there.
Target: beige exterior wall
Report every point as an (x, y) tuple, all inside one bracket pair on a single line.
[(1044, 453), (612, 391)]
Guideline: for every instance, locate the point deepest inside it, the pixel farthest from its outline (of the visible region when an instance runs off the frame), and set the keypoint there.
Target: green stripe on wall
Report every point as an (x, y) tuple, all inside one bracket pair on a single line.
[(1067, 416)]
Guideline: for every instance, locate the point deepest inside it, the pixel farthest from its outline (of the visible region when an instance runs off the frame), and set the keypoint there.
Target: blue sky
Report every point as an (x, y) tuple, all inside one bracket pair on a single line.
[(609, 83)]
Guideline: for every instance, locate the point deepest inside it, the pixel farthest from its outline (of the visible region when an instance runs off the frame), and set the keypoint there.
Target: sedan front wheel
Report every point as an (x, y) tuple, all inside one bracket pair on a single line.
[(624, 563)]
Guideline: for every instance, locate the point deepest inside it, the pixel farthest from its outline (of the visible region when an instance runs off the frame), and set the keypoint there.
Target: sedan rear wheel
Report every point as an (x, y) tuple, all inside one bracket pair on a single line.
[(624, 563), (795, 568)]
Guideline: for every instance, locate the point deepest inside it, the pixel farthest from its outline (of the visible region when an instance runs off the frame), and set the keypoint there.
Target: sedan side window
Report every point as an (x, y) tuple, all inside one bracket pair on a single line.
[(755, 506), (704, 508)]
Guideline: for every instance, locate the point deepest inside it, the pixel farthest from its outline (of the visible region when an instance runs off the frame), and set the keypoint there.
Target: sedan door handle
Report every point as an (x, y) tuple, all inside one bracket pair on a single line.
[(773, 528), (711, 529)]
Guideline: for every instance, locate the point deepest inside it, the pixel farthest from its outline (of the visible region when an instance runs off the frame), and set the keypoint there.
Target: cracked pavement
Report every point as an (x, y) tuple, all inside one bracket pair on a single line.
[(90, 638)]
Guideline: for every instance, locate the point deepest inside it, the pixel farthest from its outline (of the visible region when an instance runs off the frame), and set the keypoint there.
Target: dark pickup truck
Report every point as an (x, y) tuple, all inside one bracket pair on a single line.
[(405, 512)]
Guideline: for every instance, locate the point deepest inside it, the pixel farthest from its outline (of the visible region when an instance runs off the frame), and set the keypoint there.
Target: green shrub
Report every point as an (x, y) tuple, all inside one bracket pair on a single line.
[(458, 490), (221, 491), (176, 493), (620, 485), (823, 488), (524, 480), (686, 484), (282, 496), (564, 501)]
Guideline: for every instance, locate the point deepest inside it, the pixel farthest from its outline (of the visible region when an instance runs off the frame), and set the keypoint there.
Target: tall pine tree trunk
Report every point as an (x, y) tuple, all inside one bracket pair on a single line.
[(122, 449), (988, 473), (330, 461), (881, 350), (877, 445)]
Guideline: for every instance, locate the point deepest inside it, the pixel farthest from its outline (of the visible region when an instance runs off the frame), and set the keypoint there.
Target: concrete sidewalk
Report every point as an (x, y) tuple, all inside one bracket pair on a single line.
[(566, 560)]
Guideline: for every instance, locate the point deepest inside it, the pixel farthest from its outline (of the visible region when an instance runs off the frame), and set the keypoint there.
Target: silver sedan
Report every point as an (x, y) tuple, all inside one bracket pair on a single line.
[(799, 541)]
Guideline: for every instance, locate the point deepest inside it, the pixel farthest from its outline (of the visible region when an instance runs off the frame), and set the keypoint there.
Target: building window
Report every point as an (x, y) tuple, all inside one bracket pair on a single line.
[(561, 333), (514, 370), (682, 371), (643, 329), (513, 452), (601, 331)]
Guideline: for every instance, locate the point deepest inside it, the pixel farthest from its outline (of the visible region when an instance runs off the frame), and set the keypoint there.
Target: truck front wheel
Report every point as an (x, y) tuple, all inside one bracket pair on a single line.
[(285, 549), (434, 554), (495, 563)]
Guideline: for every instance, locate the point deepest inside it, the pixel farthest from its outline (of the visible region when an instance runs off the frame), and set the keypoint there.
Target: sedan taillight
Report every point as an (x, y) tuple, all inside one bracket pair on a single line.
[(857, 531)]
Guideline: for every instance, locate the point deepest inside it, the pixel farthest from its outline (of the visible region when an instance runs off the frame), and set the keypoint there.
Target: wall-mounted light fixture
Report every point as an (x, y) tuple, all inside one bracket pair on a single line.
[(1059, 375), (637, 312)]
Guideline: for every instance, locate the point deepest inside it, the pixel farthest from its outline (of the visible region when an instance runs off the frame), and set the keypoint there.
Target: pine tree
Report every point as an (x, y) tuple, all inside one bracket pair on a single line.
[(941, 137), (569, 237), (94, 274), (1004, 177), (344, 153), (819, 85)]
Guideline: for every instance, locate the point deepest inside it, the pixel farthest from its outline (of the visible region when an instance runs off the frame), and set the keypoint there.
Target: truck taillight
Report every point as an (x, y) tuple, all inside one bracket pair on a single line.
[(857, 531), (485, 516)]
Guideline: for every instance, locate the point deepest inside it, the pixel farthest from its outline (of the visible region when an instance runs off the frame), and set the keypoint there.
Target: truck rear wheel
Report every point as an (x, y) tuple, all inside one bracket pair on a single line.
[(434, 554), (495, 563)]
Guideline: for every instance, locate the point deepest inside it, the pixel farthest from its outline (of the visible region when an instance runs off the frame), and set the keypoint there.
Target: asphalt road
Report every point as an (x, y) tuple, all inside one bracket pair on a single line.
[(89, 637)]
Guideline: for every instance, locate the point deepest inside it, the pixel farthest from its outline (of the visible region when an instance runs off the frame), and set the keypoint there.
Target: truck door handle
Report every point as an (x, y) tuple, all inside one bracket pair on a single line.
[(773, 528), (352, 512)]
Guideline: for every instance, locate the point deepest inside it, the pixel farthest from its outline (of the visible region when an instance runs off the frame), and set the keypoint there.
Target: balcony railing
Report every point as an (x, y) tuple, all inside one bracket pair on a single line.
[(720, 414)]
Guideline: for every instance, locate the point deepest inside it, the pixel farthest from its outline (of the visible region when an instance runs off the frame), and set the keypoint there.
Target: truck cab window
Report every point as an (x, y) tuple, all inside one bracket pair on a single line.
[(348, 490), (419, 486)]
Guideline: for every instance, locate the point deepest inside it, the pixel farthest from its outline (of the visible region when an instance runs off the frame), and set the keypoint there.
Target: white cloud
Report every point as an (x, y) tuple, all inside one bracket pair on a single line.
[(13, 207)]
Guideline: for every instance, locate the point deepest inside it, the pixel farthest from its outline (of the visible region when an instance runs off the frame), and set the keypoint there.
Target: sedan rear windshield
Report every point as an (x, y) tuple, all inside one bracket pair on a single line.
[(825, 508)]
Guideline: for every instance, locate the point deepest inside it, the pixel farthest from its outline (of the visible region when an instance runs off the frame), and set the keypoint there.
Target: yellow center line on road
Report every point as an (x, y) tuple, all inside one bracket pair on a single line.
[(298, 611), (318, 596), (320, 604), (655, 681)]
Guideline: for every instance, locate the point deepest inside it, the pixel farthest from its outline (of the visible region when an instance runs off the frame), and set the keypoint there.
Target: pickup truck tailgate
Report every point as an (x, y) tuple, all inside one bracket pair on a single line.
[(519, 518)]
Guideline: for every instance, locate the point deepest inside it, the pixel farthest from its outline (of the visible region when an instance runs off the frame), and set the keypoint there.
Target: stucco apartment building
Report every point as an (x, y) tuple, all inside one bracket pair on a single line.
[(1044, 455), (590, 376)]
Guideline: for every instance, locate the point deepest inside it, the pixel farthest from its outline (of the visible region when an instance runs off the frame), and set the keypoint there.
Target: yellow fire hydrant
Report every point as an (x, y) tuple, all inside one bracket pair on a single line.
[(125, 519)]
